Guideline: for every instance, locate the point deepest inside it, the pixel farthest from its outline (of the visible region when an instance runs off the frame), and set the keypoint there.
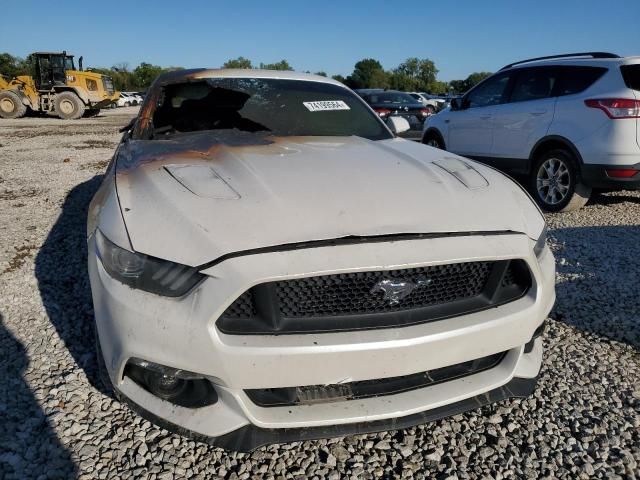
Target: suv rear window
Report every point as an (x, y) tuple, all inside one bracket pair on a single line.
[(576, 79), (631, 76)]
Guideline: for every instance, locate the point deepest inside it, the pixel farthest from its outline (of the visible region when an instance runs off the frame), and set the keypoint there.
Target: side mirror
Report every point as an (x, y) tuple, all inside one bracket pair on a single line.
[(398, 124), (456, 104)]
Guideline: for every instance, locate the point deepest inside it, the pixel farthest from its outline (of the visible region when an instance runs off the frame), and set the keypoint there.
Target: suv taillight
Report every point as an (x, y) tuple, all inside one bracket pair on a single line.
[(616, 107)]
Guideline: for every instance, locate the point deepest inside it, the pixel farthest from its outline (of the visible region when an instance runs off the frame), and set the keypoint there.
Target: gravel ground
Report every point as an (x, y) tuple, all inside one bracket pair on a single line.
[(56, 421)]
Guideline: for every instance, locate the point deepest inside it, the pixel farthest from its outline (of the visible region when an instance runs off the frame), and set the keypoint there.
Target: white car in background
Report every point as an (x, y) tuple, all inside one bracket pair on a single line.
[(270, 263), (567, 124), (137, 98), (125, 100), (431, 104)]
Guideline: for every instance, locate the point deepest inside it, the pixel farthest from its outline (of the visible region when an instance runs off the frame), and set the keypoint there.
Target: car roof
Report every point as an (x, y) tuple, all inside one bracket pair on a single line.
[(179, 76), (576, 62)]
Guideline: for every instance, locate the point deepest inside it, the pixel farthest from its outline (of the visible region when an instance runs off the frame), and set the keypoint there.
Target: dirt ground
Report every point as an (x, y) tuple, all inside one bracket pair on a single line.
[(42, 158)]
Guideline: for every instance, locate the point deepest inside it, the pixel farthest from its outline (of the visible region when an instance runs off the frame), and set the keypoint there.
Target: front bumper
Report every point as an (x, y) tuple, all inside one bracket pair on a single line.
[(181, 333), (250, 437)]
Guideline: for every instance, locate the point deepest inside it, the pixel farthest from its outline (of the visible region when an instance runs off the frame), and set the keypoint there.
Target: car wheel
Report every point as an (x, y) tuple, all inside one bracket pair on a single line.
[(11, 106), (68, 106), (555, 182), (433, 140)]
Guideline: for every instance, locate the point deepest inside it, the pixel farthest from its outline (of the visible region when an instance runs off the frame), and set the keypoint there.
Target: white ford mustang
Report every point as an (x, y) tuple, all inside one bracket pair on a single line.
[(269, 263)]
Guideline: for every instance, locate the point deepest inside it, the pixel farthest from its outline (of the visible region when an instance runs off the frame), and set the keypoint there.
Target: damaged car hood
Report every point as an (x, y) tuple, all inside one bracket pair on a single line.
[(198, 197)]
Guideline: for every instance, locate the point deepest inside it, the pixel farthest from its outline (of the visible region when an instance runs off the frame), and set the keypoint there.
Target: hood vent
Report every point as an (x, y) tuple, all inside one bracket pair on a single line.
[(464, 172), (203, 181)]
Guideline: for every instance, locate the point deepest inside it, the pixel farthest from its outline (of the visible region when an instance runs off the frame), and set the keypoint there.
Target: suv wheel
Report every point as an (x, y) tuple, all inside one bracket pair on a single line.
[(555, 182), (433, 140)]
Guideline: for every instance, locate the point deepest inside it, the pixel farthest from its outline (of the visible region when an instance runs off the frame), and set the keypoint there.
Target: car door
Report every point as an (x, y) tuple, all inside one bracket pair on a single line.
[(525, 117), (470, 127)]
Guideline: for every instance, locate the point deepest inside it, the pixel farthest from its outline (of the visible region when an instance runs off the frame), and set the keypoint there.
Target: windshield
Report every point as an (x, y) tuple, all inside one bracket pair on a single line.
[(274, 106), (68, 63), (391, 97)]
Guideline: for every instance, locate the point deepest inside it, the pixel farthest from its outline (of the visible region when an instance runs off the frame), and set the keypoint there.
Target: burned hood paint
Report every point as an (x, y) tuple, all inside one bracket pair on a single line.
[(199, 197)]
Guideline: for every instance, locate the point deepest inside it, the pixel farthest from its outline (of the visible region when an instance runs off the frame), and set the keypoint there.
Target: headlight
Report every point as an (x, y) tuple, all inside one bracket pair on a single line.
[(540, 244), (144, 272)]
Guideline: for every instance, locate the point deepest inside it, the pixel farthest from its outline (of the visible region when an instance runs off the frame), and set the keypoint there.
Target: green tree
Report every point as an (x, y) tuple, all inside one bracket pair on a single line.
[(416, 74), (401, 81), (339, 78), (438, 88), (145, 73), (475, 78), (458, 86), (11, 66), (368, 73), (281, 65), (239, 62), (321, 73), (461, 86)]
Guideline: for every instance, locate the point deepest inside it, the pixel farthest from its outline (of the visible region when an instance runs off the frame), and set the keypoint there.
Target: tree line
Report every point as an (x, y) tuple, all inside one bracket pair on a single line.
[(414, 74)]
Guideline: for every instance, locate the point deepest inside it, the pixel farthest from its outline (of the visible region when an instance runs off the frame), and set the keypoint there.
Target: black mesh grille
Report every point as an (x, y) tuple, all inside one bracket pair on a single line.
[(355, 293), (508, 279), (375, 299), (243, 307)]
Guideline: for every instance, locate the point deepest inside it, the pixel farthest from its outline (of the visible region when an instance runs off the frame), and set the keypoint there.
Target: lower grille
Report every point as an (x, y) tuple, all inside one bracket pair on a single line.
[(315, 394), (375, 299)]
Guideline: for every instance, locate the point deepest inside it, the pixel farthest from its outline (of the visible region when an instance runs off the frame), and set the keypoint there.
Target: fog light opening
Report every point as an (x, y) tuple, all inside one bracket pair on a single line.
[(165, 386), (179, 387)]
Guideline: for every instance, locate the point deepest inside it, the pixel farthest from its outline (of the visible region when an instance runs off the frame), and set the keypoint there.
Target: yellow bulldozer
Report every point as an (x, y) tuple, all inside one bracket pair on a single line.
[(55, 86)]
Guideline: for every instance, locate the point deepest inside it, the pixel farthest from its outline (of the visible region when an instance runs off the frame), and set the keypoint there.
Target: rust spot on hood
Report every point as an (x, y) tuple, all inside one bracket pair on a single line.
[(207, 146)]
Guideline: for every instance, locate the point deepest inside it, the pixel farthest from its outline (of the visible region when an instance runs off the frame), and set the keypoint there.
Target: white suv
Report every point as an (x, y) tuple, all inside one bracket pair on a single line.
[(569, 123)]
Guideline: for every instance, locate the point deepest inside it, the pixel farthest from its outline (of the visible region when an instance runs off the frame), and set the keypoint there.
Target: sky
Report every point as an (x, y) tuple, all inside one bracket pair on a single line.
[(459, 36)]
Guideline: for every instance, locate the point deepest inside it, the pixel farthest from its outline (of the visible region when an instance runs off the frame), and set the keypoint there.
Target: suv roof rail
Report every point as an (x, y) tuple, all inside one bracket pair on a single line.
[(565, 55)]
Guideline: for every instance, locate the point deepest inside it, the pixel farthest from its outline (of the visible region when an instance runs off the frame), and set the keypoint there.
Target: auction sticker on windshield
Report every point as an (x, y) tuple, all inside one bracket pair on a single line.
[(325, 105)]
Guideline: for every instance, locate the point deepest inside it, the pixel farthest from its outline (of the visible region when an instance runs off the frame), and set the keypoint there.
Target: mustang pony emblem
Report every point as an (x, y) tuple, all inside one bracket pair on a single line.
[(395, 290)]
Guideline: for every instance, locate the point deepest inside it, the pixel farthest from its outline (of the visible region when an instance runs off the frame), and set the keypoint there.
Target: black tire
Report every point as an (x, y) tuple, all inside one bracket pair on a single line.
[(11, 106), (434, 140), (68, 106), (555, 182)]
